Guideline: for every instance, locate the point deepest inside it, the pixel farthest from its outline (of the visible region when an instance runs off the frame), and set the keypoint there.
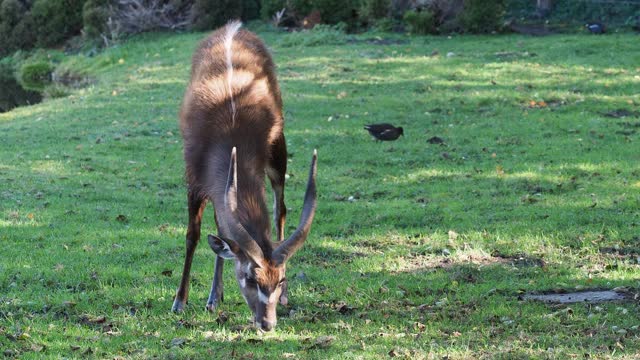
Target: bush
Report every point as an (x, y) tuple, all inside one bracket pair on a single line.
[(11, 11), (338, 11), (135, 16), (420, 21), (332, 12), (16, 27), (320, 35), (447, 14), (95, 14), (55, 91), (12, 94), (295, 11), (209, 14), (372, 10), (268, 8), (482, 16), (250, 10), (35, 75), (56, 20)]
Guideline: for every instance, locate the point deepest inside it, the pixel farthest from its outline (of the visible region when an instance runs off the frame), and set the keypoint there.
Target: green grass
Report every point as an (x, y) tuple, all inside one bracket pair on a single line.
[(418, 250)]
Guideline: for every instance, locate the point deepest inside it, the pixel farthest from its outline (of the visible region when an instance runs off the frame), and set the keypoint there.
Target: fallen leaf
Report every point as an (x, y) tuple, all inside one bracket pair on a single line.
[(167, 272), (222, 318), (184, 323), (88, 319), (323, 342), (178, 342)]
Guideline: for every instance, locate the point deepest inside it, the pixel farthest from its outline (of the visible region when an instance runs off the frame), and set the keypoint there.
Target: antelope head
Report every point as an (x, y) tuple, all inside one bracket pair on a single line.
[(260, 271)]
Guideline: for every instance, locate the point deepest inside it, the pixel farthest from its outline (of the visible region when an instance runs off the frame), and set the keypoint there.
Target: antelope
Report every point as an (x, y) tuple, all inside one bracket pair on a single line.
[(232, 126)]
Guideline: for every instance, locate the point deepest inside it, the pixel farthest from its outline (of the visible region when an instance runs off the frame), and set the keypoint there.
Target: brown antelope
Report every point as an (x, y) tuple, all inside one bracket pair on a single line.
[(231, 122)]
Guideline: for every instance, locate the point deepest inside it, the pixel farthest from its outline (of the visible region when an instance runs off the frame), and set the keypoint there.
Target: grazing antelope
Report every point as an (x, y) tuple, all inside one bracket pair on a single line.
[(231, 123)]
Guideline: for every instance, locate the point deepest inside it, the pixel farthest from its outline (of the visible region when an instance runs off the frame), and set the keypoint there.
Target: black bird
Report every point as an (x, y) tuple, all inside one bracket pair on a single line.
[(595, 28), (384, 132)]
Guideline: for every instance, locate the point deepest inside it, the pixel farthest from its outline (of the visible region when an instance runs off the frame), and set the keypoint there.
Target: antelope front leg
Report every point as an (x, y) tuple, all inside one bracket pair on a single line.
[(216, 296), (196, 208), (276, 172)]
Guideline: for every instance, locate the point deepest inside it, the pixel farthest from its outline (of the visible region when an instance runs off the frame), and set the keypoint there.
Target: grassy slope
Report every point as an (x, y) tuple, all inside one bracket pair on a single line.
[(427, 260)]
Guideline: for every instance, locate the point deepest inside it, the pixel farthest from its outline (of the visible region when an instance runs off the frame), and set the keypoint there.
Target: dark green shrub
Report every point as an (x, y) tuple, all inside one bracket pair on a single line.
[(387, 24), (24, 35), (16, 31), (331, 11), (482, 16), (374, 9), (55, 91), (321, 34), (56, 20), (35, 75), (338, 11), (11, 11), (95, 14), (209, 14), (11, 92), (268, 8), (420, 21), (250, 10)]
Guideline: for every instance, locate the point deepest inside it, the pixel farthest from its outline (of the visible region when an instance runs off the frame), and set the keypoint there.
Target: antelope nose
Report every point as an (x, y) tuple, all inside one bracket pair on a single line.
[(267, 325)]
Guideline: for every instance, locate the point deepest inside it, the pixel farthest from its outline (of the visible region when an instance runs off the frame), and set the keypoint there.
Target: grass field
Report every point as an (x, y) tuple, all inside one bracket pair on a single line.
[(418, 250)]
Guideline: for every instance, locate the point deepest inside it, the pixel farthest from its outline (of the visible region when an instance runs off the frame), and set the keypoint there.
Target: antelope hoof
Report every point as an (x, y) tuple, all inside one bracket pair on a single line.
[(178, 306), (211, 307)]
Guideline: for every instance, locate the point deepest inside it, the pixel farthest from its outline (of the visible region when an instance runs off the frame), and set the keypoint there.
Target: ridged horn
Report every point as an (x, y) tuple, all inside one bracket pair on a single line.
[(288, 247), (235, 227)]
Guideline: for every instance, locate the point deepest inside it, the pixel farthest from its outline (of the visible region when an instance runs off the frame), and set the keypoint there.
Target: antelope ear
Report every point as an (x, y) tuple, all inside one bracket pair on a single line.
[(225, 248)]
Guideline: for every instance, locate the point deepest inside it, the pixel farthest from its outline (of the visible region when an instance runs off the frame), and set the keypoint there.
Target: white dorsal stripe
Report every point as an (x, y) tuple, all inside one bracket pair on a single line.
[(231, 30)]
